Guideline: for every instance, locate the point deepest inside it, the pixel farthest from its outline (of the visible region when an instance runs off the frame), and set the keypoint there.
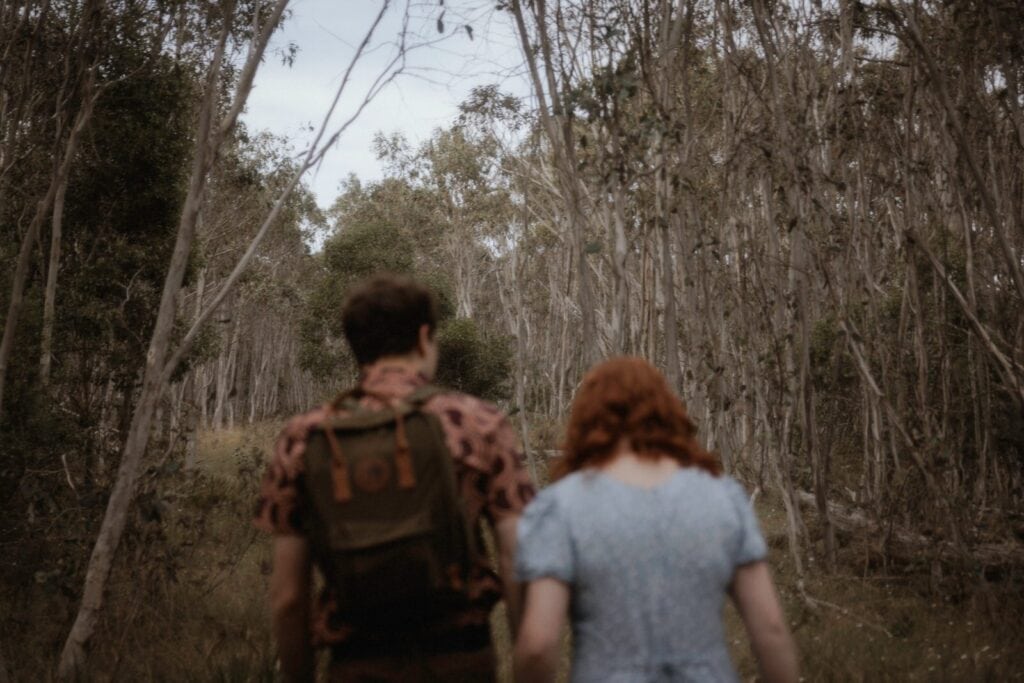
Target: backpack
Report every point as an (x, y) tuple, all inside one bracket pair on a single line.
[(387, 527)]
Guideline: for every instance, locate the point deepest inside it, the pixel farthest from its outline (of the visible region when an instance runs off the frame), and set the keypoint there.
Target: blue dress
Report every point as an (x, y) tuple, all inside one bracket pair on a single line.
[(648, 571)]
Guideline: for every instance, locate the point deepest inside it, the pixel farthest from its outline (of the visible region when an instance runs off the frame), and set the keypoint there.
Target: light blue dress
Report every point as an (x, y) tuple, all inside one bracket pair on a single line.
[(648, 569)]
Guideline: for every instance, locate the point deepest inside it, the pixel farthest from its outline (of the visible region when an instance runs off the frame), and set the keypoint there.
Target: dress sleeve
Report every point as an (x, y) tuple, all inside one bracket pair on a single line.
[(750, 545), (544, 546)]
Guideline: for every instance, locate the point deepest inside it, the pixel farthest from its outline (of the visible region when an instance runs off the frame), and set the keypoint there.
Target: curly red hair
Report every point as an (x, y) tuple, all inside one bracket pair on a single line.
[(628, 398)]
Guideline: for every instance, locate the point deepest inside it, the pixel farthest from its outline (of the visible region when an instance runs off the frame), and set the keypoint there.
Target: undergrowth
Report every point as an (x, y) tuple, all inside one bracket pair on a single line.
[(866, 622), (187, 598)]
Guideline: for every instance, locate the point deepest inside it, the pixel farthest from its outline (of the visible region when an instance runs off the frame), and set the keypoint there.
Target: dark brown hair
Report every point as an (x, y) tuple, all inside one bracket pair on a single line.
[(629, 398), (383, 314)]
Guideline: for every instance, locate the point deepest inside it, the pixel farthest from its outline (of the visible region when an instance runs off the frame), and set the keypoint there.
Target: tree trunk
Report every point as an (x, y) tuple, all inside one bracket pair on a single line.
[(669, 293), (56, 229), (18, 289), (158, 370), (72, 658), (558, 125)]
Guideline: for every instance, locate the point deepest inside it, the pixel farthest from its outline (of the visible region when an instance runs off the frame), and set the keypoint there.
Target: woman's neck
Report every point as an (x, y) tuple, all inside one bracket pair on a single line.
[(645, 472)]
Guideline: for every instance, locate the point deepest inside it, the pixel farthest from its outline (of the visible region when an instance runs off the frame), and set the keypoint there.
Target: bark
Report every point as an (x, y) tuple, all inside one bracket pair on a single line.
[(558, 126), (158, 369), (522, 332), (620, 272), (958, 132), (669, 293), (810, 431), (18, 287), (56, 229), (73, 656)]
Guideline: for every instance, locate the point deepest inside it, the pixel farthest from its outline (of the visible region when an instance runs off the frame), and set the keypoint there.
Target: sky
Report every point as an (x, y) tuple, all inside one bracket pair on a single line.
[(288, 100)]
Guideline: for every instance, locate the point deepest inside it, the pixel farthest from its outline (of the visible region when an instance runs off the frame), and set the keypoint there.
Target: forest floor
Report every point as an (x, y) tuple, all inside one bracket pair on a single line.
[(187, 601)]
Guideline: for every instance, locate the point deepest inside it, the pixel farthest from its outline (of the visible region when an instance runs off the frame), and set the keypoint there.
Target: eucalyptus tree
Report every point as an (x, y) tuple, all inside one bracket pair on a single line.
[(59, 62), (815, 211), (216, 119), (419, 220)]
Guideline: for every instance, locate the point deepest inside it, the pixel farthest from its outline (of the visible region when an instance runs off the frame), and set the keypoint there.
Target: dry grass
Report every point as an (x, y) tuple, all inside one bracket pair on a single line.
[(890, 625), (187, 600)]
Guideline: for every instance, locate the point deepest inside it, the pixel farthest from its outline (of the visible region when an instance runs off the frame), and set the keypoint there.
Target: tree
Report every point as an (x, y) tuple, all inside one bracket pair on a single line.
[(404, 225), (161, 362)]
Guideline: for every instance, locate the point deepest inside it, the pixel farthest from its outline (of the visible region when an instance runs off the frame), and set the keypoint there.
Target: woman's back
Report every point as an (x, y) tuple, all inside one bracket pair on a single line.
[(648, 567)]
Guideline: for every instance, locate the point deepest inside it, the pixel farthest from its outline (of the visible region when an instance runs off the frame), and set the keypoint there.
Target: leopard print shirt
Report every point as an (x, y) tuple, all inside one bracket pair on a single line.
[(489, 470)]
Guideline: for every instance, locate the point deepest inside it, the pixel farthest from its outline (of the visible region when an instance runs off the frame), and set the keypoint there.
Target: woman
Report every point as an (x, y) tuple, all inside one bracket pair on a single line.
[(641, 540)]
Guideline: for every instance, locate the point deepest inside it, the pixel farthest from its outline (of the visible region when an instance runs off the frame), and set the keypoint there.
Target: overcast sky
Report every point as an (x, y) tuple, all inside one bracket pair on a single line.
[(287, 100)]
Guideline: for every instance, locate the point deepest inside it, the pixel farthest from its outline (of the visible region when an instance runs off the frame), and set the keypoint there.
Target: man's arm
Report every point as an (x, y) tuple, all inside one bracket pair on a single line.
[(505, 530), (290, 604)]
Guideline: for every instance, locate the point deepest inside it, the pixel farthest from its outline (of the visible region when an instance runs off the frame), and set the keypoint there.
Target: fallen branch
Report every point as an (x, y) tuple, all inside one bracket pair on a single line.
[(850, 519)]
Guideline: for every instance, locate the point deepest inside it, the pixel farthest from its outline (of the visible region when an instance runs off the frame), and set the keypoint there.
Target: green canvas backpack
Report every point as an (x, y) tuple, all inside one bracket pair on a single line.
[(387, 527)]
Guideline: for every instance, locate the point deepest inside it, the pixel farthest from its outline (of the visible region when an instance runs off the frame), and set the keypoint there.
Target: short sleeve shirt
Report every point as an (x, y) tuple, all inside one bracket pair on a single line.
[(491, 479), (648, 570)]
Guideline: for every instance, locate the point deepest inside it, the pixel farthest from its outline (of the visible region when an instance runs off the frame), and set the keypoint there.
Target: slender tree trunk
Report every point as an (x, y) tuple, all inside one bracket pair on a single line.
[(620, 255), (158, 370), (669, 294), (558, 125), (73, 655), (56, 230), (18, 287), (959, 134)]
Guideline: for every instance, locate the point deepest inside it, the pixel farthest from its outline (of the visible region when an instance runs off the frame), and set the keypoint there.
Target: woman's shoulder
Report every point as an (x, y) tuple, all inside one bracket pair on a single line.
[(721, 491), (732, 488), (561, 489), (722, 483), (563, 494)]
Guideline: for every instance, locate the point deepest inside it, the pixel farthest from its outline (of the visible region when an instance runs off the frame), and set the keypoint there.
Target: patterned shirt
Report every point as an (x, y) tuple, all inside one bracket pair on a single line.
[(489, 472)]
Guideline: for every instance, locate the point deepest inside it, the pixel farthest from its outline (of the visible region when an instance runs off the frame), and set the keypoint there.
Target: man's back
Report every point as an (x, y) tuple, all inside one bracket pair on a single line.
[(491, 484), (390, 323)]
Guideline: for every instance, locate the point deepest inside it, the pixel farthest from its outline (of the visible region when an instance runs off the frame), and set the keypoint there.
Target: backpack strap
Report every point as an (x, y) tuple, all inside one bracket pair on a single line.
[(423, 394), (404, 471), (348, 399), (339, 468)]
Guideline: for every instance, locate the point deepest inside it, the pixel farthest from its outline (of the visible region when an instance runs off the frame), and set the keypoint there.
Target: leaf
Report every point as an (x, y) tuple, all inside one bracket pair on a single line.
[(469, 31)]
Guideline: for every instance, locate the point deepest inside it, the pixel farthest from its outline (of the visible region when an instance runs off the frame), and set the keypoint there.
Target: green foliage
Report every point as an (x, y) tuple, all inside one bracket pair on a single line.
[(472, 360), (60, 445), (831, 365), (351, 254), (394, 226), (121, 211), (360, 249)]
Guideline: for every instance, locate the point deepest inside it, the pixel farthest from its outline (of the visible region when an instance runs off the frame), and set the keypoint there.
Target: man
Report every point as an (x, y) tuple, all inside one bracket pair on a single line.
[(389, 322)]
